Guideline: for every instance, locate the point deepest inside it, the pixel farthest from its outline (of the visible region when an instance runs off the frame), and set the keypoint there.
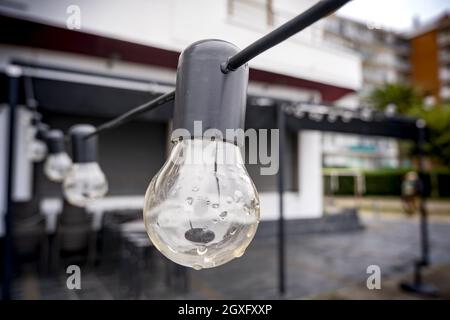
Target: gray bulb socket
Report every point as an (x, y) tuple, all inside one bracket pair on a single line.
[(42, 130), (205, 93), (83, 149), (55, 141)]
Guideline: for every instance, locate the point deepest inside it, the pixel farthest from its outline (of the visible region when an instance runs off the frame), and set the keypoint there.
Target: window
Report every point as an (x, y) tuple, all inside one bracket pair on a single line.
[(254, 13)]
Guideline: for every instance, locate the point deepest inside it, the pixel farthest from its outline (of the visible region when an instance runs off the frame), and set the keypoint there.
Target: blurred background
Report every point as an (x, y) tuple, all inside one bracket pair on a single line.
[(345, 183)]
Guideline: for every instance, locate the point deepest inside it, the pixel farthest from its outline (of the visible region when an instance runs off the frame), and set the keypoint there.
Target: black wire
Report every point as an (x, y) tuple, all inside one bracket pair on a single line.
[(133, 113), (293, 26)]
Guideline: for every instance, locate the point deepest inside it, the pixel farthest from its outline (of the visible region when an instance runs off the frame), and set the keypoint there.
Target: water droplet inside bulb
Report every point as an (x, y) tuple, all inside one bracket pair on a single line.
[(215, 205), (189, 200), (197, 267), (215, 221), (233, 230), (208, 261), (201, 250), (239, 253), (223, 214), (195, 189)]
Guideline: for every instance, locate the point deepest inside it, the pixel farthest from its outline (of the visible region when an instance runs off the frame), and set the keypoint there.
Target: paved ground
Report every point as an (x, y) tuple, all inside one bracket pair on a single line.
[(438, 276), (318, 266), (382, 204)]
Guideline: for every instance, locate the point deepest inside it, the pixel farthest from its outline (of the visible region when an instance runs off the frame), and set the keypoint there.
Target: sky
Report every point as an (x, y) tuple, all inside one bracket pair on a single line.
[(394, 14)]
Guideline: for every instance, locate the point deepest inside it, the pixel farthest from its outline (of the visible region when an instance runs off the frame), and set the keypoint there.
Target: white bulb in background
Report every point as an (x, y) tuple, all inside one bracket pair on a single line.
[(37, 150), (83, 183), (200, 210), (36, 147), (57, 166)]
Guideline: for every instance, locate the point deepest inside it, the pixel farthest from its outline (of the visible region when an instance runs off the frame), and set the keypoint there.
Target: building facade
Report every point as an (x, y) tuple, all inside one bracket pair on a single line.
[(385, 57), (430, 58), (385, 54)]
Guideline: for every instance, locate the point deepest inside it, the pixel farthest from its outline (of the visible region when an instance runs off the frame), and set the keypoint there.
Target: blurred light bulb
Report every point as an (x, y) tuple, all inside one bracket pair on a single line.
[(37, 149), (85, 180), (58, 163), (83, 183), (366, 114), (202, 209), (332, 116), (390, 109), (57, 166)]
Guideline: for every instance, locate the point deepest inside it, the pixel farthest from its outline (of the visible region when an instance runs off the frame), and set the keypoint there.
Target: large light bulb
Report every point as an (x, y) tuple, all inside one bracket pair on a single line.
[(83, 183), (202, 209), (85, 180), (58, 163)]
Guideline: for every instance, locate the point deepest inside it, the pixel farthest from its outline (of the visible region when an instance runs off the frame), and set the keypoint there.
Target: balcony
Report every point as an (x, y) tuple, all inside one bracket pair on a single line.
[(443, 39)]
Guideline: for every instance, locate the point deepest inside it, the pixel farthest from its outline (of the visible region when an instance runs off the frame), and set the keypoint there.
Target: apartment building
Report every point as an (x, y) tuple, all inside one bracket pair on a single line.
[(430, 58), (385, 54), (385, 59)]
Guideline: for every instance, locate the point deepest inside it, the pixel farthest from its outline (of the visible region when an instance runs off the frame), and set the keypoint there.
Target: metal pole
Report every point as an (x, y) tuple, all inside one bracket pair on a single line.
[(424, 241), (281, 240), (417, 286), (14, 74)]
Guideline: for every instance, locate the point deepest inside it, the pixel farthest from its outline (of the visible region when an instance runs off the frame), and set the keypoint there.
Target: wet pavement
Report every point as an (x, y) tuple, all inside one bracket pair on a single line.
[(325, 265)]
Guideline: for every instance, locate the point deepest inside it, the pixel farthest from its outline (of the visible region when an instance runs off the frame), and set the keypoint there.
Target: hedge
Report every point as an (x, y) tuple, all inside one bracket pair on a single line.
[(389, 183)]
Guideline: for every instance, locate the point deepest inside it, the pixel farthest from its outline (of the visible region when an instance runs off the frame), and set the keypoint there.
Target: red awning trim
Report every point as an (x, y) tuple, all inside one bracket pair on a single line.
[(33, 34)]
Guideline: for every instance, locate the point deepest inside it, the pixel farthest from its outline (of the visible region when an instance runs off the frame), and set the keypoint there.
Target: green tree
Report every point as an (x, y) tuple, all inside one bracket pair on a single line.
[(402, 95), (438, 122), (409, 101)]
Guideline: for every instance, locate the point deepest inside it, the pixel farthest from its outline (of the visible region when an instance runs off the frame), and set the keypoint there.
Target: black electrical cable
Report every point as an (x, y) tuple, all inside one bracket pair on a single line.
[(133, 113), (285, 31)]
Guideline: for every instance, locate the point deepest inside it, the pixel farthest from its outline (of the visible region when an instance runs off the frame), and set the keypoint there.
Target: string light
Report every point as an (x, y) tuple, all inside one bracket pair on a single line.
[(85, 181), (58, 163)]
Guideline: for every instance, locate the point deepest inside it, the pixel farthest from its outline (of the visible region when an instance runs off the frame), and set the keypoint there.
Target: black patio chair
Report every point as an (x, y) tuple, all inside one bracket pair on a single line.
[(74, 241), (30, 237)]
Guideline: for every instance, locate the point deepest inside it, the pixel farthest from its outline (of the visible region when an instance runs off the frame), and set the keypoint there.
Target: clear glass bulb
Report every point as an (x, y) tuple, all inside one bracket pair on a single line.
[(202, 209), (83, 183), (37, 150), (57, 166)]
